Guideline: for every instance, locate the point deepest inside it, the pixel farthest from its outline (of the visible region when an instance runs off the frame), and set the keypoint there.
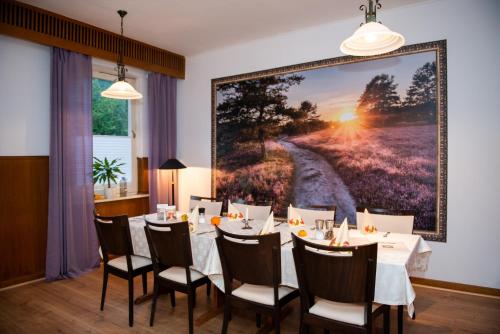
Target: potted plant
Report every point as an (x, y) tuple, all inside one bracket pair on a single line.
[(105, 172)]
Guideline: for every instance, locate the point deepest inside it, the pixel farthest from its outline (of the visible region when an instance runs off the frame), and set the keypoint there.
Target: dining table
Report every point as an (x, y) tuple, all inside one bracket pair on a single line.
[(399, 256)]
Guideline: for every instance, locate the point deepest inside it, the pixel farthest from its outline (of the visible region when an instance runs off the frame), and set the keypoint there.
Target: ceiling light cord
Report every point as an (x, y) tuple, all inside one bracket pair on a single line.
[(120, 65)]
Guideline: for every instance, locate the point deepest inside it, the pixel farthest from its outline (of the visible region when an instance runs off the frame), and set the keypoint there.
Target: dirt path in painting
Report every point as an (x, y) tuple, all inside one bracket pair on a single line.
[(316, 182)]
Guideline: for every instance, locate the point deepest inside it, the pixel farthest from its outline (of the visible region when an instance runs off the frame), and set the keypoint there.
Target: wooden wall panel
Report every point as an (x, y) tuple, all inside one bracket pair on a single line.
[(24, 189), (142, 176), (131, 207)]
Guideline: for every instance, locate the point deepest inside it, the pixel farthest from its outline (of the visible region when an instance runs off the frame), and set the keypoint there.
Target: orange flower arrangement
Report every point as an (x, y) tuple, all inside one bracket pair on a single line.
[(215, 220), (296, 221), (238, 215)]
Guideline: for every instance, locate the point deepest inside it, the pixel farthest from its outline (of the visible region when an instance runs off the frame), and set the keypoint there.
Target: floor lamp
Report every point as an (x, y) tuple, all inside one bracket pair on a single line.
[(172, 164)]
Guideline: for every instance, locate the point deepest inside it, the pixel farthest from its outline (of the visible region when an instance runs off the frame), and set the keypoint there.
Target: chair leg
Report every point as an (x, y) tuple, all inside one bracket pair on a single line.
[(156, 291), (144, 283), (209, 288), (172, 298), (387, 320), (193, 297), (258, 320), (131, 301), (104, 287), (303, 327), (400, 319), (277, 320), (227, 315), (190, 309)]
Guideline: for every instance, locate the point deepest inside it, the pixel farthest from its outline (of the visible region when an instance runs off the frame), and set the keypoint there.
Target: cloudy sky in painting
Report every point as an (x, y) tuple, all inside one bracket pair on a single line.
[(336, 89)]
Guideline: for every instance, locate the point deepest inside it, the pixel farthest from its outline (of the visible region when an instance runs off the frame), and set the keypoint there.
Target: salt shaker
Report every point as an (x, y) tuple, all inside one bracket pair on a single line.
[(329, 226), (201, 218), (319, 234)]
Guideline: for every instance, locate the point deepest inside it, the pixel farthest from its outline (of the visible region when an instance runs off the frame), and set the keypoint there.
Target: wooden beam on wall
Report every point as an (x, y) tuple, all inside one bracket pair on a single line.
[(40, 26)]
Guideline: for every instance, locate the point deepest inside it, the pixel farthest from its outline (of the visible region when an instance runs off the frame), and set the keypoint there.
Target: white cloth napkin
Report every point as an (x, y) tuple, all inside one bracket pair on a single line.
[(342, 237), (294, 218), (269, 225), (368, 225), (194, 217), (233, 213)]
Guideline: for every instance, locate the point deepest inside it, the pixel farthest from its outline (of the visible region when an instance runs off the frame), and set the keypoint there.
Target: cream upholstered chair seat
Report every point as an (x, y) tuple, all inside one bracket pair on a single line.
[(388, 223), (260, 293), (259, 212), (137, 262), (211, 208), (178, 274), (309, 215), (350, 313)]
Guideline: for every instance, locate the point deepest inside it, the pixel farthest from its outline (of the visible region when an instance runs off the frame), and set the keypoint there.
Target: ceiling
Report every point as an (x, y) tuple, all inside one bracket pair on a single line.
[(189, 27)]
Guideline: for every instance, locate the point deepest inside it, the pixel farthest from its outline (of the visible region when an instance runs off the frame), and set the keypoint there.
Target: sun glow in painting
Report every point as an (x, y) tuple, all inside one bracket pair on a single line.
[(348, 117), (360, 134)]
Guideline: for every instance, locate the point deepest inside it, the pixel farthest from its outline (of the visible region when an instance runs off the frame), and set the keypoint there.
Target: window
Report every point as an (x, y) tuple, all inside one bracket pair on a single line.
[(113, 129)]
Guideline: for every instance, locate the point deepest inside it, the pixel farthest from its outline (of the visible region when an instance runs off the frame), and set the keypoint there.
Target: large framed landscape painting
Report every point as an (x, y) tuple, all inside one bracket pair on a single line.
[(348, 131)]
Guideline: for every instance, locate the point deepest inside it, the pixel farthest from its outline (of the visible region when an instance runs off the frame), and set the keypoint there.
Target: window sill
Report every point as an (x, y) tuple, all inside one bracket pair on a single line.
[(121, 198)]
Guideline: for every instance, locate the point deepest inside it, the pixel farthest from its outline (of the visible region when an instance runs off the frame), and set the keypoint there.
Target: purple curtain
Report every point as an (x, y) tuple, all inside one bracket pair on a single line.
[(162, 97), (72, 247)]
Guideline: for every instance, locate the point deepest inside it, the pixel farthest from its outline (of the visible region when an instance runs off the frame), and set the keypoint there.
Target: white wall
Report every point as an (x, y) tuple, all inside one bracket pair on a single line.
[(24, 98), (473, 117)]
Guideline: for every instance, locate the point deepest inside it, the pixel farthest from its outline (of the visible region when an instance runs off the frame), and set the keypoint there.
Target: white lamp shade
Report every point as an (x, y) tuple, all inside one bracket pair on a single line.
[(121, 90), (371, 39)]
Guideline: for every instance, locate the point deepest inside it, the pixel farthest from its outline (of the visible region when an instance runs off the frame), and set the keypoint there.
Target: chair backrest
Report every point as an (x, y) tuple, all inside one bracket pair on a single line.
[(339, 274), (212, 208), (114, 236), (203, 198), (309, 216), (385, 220), (254, 211), (169, 244), (253, 259)]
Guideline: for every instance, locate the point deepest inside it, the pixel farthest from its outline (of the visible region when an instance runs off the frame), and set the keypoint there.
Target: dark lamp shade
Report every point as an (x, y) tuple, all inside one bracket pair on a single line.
[(172, 164)]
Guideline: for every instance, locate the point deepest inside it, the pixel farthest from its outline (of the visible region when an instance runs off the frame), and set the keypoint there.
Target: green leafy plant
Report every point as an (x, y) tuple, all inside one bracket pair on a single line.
[(105, 171)]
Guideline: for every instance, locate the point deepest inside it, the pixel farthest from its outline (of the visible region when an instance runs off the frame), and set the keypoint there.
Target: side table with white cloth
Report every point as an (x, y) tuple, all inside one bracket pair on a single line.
[(399, 255)]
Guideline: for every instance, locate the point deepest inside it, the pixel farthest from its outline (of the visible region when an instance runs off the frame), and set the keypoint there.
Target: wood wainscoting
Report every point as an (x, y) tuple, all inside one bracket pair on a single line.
[(142, 175), (134, 206), (23, 218)]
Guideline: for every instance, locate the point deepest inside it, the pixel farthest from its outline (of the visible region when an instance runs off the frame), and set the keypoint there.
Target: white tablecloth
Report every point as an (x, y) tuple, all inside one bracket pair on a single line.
[(399, 255)]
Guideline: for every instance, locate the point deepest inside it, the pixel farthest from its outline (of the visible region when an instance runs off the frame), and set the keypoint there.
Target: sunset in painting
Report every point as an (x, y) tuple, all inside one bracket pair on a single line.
[(352, 135)]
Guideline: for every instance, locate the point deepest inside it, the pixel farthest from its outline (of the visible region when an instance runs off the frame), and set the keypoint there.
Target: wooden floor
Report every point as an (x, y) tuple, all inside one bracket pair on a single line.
[(72, 306)]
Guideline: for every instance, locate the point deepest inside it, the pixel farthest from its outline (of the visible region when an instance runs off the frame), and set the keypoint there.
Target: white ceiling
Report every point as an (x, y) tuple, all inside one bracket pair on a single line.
[(189, 27)]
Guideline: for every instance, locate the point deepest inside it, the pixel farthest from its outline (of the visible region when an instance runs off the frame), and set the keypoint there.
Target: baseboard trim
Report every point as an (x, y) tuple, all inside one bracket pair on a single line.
[(475, 289), (26, 280)]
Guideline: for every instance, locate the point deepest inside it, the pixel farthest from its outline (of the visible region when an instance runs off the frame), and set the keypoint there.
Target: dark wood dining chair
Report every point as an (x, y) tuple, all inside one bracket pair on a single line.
[(390, 220), (255, 262), (337, 287), (322, 207), (203, 198), (170, 248), (119, 259)]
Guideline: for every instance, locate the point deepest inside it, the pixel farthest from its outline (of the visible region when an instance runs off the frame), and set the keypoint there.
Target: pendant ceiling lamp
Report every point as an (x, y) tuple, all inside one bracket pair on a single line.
[(372, 37), (121, 89)]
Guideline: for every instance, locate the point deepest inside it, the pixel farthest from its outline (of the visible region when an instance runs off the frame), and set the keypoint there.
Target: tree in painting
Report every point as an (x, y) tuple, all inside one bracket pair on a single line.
[(380, 96), (255, 107)]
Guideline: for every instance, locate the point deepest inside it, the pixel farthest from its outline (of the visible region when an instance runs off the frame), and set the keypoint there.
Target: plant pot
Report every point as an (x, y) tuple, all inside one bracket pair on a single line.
[(109, 193)]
